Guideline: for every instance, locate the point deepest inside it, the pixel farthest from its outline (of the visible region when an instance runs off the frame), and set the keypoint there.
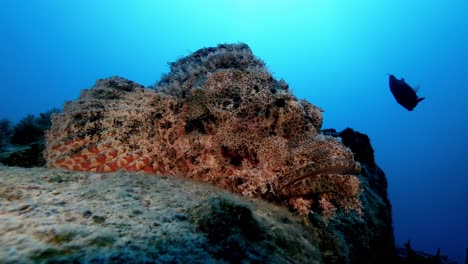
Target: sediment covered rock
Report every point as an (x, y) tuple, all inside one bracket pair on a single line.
[(57, 216)]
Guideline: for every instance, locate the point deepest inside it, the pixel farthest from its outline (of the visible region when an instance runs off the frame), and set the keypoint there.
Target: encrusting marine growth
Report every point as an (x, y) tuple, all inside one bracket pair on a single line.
[(219, 117)]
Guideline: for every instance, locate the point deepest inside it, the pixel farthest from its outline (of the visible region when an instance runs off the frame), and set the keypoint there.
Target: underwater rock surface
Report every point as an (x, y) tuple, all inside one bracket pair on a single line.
[(51, 216), (218, 117), (370, 239), (227, 226)]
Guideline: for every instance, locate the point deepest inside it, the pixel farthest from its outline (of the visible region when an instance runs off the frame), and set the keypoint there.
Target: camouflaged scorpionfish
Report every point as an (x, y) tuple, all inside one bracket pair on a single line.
[(219, 117)]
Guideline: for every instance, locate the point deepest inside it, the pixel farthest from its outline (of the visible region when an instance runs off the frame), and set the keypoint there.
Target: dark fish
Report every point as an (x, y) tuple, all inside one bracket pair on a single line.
[(403, 93)]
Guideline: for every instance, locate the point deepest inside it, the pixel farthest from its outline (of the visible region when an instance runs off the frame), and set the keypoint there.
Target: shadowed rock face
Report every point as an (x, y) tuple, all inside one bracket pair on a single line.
[(370, 239), (220, 117)]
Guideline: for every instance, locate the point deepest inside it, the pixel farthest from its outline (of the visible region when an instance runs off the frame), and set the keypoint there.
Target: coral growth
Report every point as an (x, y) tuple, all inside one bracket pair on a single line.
[(23, 144), (220, 117), (31, 129), (5, 131)]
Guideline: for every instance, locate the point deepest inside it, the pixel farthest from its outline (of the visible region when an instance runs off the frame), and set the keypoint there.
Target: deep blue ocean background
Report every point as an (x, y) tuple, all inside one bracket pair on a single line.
[(336, 54)]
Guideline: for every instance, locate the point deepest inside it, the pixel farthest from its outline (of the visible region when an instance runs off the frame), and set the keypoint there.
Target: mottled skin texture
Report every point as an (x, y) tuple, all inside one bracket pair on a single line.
[(218, 117)]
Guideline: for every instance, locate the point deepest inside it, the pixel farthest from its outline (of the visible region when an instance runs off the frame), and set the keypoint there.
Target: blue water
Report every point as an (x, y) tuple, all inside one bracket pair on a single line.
[(336, 54)]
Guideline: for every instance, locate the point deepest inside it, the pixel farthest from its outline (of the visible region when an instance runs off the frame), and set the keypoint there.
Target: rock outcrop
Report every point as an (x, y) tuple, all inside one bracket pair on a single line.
[(370, 238), (217, 117)]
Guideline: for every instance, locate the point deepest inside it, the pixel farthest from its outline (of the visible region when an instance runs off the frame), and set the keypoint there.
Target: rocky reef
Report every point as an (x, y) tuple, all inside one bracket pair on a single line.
[(129, 167)]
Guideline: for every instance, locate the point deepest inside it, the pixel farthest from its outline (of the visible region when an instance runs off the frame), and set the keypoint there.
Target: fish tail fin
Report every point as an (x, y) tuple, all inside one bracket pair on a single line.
[(421, 98)]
